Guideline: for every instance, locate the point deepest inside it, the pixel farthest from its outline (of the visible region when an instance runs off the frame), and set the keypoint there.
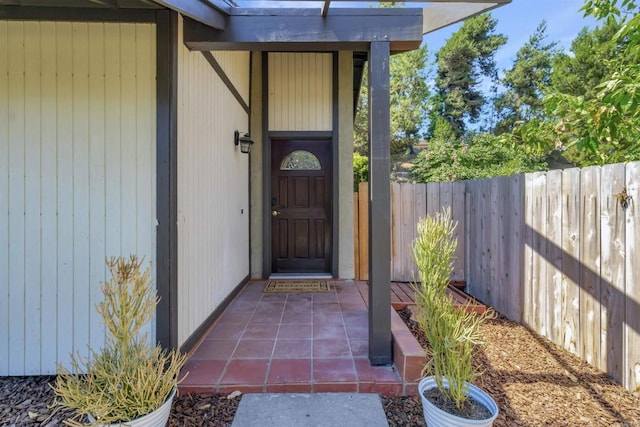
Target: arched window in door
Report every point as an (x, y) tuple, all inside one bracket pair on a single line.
[(300, 160)]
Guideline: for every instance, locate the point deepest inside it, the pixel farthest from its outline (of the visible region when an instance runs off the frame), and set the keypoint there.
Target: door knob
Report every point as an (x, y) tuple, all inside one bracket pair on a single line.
[(275, 213)]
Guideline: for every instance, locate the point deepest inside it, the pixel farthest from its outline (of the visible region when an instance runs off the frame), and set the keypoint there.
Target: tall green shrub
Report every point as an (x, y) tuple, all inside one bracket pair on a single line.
[(452, 332)]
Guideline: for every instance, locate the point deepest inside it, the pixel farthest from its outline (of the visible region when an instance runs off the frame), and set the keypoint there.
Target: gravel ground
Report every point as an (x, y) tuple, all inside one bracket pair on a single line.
[(534, 382)]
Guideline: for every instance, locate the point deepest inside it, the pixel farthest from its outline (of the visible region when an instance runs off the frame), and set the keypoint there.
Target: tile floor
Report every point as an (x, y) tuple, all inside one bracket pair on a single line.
[(313, 342)]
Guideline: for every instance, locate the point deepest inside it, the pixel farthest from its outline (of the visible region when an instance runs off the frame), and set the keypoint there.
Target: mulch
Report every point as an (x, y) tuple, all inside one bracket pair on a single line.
[(534, 382)]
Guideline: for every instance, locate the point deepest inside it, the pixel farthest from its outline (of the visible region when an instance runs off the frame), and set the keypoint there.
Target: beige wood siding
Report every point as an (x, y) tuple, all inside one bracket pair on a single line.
[(77, 179), (235, 66), (300, 91), (213, 195)]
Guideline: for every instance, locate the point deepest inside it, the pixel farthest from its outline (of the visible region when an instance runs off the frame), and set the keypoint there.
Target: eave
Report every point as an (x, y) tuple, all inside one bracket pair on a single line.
[(305, 29)]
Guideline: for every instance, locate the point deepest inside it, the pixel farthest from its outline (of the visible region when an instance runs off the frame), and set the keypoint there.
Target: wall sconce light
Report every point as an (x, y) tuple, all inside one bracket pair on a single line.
[(244, 141)]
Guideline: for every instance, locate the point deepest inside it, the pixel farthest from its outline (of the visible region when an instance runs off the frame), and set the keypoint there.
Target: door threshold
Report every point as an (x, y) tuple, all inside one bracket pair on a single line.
[(300, 276)]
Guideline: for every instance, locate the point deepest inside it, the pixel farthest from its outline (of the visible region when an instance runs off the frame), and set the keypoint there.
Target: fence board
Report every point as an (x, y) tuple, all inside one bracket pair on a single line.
[(445, 195), (410, 224), (458, 215), (433, 198), (494, 239), (571, 260), (590, 264), (363, 229), (419, 211), (612, 271), (632, 269), (554, 255), (504, 242), (398, 218), (356, 240), (473, 238), (539, 255), (515, 249), (486, 240)]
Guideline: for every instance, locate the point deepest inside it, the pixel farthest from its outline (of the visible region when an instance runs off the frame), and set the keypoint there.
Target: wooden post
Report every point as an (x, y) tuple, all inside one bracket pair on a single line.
[(167, 181), (380, 206)]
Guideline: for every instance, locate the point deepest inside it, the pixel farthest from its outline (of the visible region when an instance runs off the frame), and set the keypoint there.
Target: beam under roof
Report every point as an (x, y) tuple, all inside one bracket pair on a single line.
[(199, 10), (438, 13), (305, 29)]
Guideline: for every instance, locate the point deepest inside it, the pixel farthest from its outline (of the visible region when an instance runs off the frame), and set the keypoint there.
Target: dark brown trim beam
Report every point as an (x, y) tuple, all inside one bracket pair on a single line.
[(325, 7), (266, 171), (198, 10), (167, 179), (225, 79), (379, 206), (307, 32), (335, 178)]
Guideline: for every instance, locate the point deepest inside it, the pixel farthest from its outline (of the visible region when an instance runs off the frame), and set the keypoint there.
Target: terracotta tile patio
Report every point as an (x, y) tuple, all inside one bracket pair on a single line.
[(313, 342)]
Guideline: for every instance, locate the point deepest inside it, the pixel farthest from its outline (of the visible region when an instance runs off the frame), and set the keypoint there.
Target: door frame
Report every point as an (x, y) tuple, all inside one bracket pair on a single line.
[(268, 135), (331, 138)]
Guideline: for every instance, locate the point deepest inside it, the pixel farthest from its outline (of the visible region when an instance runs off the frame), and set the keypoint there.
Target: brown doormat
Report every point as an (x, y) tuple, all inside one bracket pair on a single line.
[(296, 286)]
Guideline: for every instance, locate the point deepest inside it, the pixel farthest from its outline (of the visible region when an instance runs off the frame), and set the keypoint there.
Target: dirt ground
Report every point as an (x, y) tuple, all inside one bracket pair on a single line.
[(534, 382)]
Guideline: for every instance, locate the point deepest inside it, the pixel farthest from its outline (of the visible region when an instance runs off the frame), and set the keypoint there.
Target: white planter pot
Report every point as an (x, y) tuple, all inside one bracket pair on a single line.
[(157, 418), (436, 417)]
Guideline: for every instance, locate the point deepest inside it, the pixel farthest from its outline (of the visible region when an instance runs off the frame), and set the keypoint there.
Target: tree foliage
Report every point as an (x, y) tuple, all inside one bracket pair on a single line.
[(462, 63), (525, 82), (604, 124), (408, 101), (482, 156)]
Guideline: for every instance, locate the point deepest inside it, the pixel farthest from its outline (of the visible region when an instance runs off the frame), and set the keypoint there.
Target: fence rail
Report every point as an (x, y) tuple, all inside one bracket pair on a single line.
[(556, 251)]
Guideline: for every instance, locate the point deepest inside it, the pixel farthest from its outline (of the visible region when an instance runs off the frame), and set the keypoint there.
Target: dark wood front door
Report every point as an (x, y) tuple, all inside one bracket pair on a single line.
[(301, 206)]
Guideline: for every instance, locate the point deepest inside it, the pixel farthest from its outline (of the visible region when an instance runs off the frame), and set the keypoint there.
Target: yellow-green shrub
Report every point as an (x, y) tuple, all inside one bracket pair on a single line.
[(128, 377), (452, 332)]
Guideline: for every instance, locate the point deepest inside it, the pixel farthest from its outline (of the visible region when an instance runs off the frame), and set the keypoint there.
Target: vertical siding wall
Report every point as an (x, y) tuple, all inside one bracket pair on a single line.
[(77, 179), (213, 186), (300, 91)]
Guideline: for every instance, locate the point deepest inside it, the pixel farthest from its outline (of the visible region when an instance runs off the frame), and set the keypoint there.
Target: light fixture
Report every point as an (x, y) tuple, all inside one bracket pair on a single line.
[(244, 141)]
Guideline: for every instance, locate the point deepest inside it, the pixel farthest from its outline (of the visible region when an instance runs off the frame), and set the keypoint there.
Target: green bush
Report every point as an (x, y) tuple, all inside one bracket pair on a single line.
[(482, 156), (360, 170)]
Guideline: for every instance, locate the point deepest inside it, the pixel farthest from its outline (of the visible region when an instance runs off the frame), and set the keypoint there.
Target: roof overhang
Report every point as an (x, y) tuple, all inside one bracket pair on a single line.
[(308, 30), (441, 13)]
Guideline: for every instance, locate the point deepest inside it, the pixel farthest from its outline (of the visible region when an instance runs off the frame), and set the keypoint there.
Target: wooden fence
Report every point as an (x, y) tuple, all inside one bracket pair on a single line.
[(556, 251)]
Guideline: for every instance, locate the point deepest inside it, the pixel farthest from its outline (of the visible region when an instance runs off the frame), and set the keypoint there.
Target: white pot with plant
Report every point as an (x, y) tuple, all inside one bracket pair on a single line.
[(128, 381), (448, 396)]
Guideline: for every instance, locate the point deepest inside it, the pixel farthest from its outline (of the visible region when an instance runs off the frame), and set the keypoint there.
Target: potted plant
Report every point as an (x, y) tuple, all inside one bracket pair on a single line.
[(448, 397), (128, 381)]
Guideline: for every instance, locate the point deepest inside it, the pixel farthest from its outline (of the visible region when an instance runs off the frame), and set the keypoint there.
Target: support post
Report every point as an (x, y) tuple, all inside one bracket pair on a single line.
[(166, 179), (380, 345)]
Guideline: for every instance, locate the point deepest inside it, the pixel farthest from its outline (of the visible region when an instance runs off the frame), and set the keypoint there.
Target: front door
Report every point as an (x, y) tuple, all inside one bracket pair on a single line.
[(301, 206)]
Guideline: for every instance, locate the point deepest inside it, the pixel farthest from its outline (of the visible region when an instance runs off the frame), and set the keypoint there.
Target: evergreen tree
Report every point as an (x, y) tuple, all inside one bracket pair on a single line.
[(462, 63), (525, 82)]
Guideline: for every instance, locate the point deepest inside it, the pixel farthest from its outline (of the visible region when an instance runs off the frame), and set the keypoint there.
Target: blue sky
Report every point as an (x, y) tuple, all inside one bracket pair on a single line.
[(519, 19)]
